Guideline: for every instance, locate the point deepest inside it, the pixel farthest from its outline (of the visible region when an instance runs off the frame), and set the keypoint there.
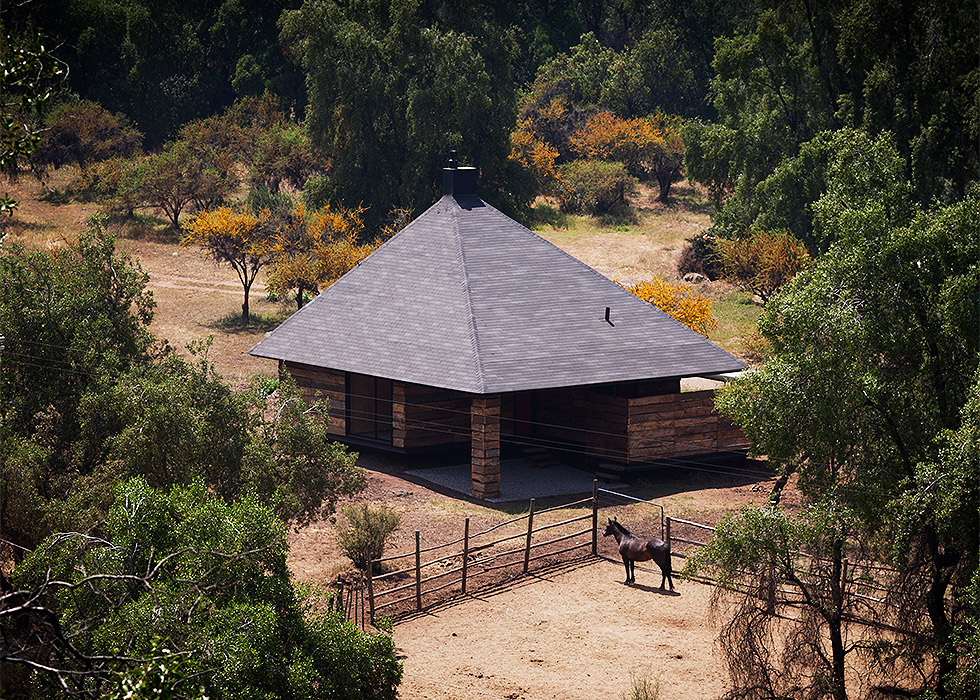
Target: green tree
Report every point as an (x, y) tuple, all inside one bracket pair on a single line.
[(423, 87), (87, 399), (875, 352), (800, 69), (185, 580), (29, 79)]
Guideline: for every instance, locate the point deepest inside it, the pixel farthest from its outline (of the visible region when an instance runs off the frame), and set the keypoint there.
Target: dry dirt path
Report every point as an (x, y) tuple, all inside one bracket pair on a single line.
[(575, 633)]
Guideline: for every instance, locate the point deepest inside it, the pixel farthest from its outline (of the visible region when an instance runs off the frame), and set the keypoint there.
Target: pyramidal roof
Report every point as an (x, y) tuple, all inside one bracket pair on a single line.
[(465, 298)]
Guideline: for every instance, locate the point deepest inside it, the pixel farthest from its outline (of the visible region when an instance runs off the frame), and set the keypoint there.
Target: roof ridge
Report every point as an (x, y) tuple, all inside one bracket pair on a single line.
[(471, 318)]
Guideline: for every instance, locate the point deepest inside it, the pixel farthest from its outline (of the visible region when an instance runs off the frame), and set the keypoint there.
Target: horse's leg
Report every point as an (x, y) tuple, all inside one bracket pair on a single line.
[(667, 570), (626, 563), (632, 571)]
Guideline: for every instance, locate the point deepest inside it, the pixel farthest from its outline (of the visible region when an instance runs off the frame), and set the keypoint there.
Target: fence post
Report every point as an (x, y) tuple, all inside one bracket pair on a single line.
[(667, 532), (370, 584), (466, 550), (595, 517), (418, 571), (527, 546)]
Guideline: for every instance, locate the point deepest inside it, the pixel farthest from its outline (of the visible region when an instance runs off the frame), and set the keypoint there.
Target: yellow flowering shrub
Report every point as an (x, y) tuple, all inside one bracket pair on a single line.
[(691, 308)]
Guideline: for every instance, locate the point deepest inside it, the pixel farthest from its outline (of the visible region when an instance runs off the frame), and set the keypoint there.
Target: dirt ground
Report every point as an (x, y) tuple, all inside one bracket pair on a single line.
[(574, 633)]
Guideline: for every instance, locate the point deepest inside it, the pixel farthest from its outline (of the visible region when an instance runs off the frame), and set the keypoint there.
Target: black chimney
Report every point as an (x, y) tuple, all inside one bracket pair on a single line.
[(457, 181)]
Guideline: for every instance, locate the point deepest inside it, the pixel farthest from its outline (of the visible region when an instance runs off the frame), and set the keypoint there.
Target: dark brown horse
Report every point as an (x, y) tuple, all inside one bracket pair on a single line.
[(633, 549)]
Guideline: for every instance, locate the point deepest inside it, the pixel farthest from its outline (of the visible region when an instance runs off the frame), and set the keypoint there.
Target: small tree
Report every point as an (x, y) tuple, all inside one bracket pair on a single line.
[(365, 532), (651, 148), (312, 250), (242, 240), (763, 262), (690, 308)]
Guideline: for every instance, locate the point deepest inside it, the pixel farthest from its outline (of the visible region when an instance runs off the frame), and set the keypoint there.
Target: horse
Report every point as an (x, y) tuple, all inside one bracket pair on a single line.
[(632, 549)]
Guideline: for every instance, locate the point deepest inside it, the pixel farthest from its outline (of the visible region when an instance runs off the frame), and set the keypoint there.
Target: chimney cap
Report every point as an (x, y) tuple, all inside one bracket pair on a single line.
[(453, 159), (458, 181)]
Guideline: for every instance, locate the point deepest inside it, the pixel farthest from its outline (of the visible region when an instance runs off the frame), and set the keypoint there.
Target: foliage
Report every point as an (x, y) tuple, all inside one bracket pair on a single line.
[(426, 81), (314, 249), (164, 64), (82, 133), (700, 255), (596, 187), (771, 567), (650, 148), (29, 79), (538, 157), (799, 70), (178, 175), (874, 350), (365, 530), (88, 400), (763, 261), (184, 580), (678, 301), (245, 241)]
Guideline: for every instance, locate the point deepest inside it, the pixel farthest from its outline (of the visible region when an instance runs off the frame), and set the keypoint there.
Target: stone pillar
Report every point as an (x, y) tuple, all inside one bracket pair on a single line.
[(485, 446)]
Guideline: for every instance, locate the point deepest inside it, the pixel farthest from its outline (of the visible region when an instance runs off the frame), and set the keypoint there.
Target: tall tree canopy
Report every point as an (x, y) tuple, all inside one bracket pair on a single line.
[(870, 396), (426, 80), (802, 69)]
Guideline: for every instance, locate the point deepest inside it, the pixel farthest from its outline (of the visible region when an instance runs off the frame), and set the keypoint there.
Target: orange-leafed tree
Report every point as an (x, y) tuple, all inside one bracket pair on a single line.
[(651, 147), (314, 249), (245, 241), (691, 308), (763, 262), (538, 156)]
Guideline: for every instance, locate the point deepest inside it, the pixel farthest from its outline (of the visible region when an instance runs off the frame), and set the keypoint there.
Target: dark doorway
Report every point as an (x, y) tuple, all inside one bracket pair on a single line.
[(369, 407), (524, 413)]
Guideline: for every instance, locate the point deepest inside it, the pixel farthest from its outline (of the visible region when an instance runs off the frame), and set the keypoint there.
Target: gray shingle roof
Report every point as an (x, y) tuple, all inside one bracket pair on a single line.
[(466, 298)]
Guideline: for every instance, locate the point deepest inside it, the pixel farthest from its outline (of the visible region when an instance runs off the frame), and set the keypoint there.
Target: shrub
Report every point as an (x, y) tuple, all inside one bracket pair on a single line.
[(82, 133), (365, 532), (700, 254), (597, 187), (642, 686), (763, 262), (693, 309)]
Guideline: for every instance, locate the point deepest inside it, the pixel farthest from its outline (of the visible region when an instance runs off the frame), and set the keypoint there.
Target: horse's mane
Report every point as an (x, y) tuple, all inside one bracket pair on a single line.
[(622, 528)]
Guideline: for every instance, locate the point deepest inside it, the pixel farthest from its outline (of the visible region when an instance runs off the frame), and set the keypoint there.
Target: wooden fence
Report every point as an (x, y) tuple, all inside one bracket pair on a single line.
[(431, 574), (426, 576)]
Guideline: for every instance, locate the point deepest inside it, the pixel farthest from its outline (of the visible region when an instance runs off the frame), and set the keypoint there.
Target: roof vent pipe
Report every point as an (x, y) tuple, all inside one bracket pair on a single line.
[(607, 317)]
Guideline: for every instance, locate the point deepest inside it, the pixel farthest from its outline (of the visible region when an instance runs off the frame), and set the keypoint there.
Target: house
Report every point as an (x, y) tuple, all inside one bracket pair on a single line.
[(468, 328)]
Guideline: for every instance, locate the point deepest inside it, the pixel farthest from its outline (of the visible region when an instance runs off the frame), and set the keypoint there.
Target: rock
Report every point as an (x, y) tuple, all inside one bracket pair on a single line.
[(695, 278)]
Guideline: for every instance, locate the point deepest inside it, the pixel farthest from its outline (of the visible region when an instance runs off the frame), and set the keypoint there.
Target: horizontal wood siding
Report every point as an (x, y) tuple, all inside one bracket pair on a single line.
[(434, 416), (673, 425), (584, 419), (318, 383)]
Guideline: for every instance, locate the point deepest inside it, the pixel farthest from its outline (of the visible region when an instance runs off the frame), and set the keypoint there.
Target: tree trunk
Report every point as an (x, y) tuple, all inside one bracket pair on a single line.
[(245, 315)]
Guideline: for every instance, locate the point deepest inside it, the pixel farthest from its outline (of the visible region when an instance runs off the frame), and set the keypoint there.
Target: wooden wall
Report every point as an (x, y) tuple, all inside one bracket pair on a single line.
[(672, 425), (431, 416), (593, 420), (325, 383)]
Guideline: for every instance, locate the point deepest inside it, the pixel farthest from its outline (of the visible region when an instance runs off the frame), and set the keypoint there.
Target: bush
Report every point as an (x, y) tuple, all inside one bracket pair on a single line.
[(82, 133), (642, 686), (763, 262), (693, 309), (700, 255), (597, 187), (365, 533)]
